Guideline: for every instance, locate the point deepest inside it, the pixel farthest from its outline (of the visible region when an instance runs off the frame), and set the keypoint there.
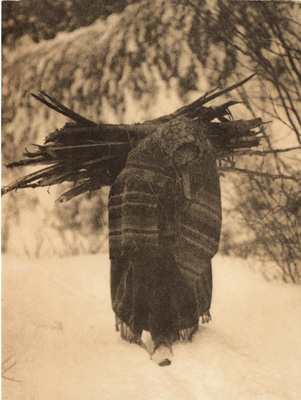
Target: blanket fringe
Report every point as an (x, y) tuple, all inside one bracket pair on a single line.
[(206, 317), (185, 335), (126, 333)]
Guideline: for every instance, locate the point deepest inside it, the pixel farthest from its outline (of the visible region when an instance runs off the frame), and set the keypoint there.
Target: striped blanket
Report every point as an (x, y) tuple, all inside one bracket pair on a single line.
[(161, 242), (148, 211)]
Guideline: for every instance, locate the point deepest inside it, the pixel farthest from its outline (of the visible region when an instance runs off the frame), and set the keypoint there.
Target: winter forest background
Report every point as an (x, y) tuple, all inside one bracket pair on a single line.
[(129, 61)]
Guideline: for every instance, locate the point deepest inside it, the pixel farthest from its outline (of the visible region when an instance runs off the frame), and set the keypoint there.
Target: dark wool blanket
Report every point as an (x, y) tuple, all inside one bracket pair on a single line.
[(155, 220)]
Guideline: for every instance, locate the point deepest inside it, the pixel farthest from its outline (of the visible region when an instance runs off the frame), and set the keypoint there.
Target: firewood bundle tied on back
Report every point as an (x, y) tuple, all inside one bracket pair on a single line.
[(92, 155)]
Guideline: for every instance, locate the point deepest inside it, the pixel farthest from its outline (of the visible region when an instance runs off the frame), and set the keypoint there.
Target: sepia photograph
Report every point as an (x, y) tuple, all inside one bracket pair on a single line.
[(151, 200)]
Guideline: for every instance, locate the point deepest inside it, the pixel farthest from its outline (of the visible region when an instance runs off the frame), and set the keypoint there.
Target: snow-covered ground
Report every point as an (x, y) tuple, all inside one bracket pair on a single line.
[(59, 341)]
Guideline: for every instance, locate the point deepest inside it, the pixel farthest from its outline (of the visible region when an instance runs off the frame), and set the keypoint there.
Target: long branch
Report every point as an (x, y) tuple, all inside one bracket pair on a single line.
[(264, 152), (250, 173)]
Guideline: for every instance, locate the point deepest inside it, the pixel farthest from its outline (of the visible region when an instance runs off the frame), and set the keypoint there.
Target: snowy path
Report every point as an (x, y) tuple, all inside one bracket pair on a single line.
[(58, 331)]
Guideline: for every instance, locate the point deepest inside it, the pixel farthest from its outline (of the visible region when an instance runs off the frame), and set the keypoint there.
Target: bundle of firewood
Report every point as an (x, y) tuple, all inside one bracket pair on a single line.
[(92, 155)]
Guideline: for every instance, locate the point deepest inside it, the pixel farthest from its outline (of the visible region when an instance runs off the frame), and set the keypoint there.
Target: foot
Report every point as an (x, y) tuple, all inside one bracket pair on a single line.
[(162, 355)]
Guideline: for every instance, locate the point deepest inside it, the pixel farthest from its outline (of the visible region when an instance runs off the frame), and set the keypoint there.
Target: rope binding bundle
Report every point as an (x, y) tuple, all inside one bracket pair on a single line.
[(92, 155)]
